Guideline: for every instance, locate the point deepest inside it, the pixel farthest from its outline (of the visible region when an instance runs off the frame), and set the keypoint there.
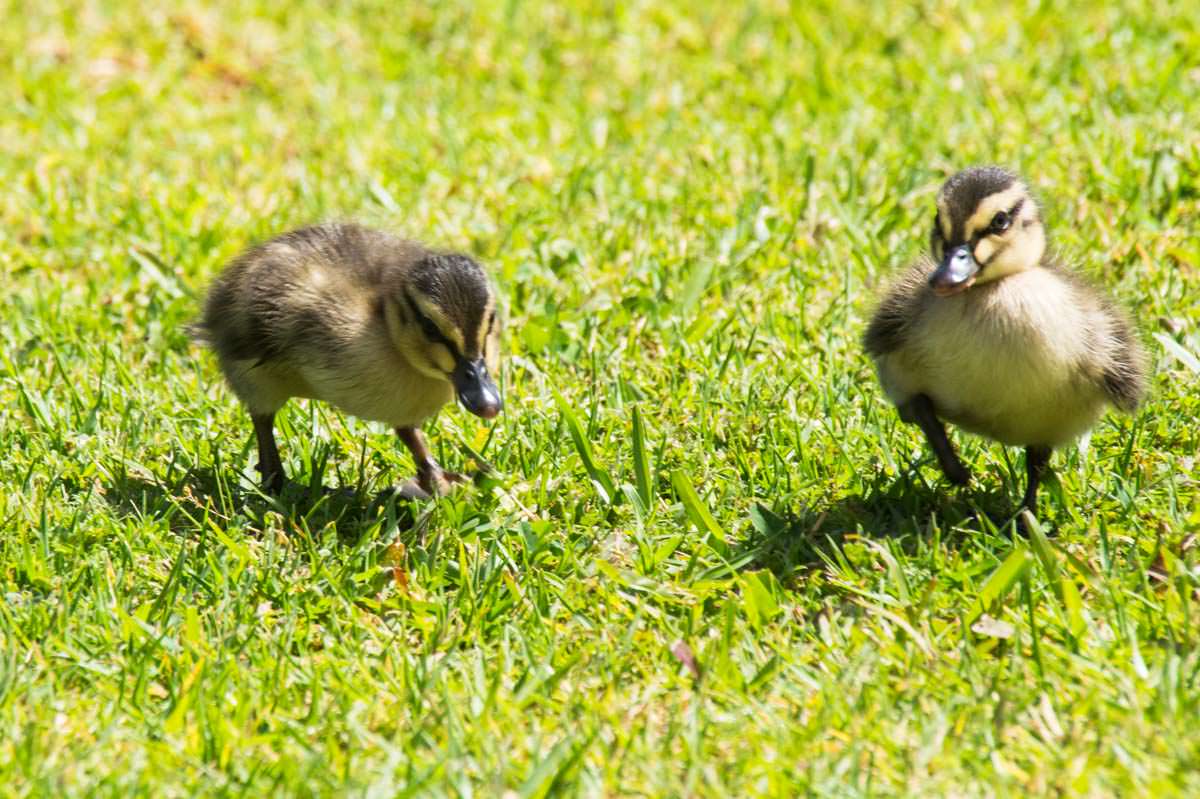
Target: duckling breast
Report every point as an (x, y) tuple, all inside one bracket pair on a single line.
[(1008, 360), (370, 380)]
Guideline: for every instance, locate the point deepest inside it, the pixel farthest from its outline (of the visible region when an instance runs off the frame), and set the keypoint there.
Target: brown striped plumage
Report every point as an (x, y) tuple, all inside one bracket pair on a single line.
[(378, 326), (998, 338)]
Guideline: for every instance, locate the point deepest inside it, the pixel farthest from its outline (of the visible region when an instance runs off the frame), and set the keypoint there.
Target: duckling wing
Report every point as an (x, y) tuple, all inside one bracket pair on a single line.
[(279, 301), (233, 323), (1118, 360), (1124, 374), (902, 303)]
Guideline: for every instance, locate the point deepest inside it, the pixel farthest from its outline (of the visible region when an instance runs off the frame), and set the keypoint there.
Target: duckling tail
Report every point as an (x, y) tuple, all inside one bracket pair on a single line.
[(198, 332)]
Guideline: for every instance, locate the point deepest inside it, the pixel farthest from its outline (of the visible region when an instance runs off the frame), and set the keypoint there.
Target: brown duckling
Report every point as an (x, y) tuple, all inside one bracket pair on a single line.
[(995, 336), (380, 327)]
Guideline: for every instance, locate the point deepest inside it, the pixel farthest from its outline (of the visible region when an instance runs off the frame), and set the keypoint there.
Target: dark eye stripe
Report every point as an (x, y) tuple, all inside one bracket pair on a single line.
[(1003, 220), (430, 328)]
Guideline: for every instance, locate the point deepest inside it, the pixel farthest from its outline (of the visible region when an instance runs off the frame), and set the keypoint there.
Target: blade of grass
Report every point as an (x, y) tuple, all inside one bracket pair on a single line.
[(641, 460), (602, 479), (1061, 584), (1000, 582), (695, 508)]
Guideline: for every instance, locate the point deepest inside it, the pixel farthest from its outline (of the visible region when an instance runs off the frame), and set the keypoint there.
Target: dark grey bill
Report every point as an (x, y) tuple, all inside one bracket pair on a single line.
[(956, 272), (476, 391)]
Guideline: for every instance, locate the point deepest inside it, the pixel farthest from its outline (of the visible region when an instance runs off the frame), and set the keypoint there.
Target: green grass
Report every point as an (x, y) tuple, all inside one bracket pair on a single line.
[(687, 208)]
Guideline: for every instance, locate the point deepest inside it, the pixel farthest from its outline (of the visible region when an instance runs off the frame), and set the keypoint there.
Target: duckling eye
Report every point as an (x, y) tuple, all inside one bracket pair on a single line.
[(1000, 222), (430, 329)]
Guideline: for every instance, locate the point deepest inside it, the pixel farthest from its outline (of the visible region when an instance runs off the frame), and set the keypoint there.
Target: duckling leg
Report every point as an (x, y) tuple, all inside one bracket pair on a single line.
[(920, 410), (430, 476), (268, 454), (1036, 461)]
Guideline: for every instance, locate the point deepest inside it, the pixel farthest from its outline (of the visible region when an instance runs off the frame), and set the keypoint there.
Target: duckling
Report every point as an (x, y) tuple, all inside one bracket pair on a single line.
[(375, 325), (995, 336)]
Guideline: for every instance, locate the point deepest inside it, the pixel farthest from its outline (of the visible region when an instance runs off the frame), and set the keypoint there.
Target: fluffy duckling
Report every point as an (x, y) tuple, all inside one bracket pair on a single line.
[(377, 326), (993, 335)]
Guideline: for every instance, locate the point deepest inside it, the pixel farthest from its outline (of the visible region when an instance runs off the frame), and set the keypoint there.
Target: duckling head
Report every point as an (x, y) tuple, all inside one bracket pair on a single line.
[(987, 226), (442, 319)]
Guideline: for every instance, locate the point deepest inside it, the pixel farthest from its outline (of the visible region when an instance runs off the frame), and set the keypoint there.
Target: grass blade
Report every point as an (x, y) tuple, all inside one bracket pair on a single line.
[(641, 460), (1001, 581), (1063, 587), (696, 510), (1182, 354), (600, 476), (760, 597)]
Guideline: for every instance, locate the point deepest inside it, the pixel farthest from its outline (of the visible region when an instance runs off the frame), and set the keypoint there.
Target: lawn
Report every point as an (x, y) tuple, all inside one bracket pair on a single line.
[(707, 560)]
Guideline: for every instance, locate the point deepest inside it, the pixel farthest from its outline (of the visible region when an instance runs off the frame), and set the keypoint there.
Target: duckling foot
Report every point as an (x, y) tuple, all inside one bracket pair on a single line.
[(431, 481), (269, 463), (410, 489), (920, 409), (272, 483), (429, 485), (434, 481), (955, 472), (1037, 461)]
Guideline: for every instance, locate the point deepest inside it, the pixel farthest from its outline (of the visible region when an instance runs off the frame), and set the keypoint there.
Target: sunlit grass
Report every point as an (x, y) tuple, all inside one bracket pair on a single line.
[(712, 561)]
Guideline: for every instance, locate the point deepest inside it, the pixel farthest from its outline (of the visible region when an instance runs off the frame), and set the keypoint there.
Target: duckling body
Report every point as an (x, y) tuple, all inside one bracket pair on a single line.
[(1027, 355), (395, 395), (378, 326), (1020, 361)]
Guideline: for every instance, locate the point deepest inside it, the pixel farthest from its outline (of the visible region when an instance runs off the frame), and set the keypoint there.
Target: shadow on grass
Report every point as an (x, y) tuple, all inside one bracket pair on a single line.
[(190, 502), (902, 509)]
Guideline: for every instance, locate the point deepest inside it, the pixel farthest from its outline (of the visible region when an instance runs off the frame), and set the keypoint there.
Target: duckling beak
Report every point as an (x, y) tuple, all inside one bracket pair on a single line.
[(955, 273), (476, 391)]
